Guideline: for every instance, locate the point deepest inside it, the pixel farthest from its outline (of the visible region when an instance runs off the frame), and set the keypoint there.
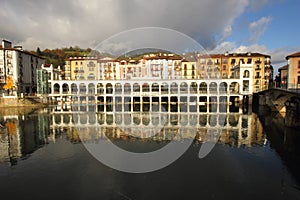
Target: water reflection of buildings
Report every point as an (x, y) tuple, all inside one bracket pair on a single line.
[(21, 135), (235, 129)]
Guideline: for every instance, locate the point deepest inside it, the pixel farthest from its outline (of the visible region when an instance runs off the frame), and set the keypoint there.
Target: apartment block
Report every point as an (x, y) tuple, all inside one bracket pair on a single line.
[(21, 66), (81, 68), (255, 68), (293, 80), (108, 69)]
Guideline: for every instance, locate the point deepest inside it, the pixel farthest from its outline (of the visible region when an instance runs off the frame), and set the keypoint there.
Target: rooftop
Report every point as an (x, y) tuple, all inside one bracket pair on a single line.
[(285, 67), (293, 55)]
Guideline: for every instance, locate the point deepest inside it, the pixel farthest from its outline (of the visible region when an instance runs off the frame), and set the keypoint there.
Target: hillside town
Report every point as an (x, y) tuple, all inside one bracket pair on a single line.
[(23, 73)]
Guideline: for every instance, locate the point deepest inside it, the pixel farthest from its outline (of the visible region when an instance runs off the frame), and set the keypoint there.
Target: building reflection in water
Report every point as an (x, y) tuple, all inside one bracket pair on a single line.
[(236, 129), (22, 135)]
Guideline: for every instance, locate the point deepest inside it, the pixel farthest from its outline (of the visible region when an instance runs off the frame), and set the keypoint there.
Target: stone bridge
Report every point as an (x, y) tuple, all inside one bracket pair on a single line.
[(285, 102)]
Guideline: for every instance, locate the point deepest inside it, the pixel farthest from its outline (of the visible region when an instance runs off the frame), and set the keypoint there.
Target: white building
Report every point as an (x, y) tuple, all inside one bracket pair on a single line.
[(21, 66), (108, 69)]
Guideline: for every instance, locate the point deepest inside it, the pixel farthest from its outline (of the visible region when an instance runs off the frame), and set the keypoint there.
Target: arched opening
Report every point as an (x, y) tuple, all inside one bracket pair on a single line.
[(136, 87), (91, 87), (82, 88), (127, 88), (164, 88), (74, 88), (234, 87), (91, 76), (65, 88), (183, 88), (145, 87), (213, 87), (246, 74), (193, 88), (118, 88), (100, 88), (109, 88), (203, 88), (174, 88), (155, 87), (56, 88), (223, 87)]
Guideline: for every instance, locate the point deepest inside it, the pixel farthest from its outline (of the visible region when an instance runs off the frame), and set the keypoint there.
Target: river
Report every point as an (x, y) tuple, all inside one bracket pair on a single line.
[(44, 154)]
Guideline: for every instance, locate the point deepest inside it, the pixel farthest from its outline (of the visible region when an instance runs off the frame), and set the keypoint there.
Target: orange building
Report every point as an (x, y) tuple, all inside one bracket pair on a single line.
[(293, 81)]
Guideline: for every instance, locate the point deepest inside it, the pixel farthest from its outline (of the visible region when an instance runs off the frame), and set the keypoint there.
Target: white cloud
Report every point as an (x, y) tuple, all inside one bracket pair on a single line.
[(257, 4), (277, 55), (86, 23), (258, 28)]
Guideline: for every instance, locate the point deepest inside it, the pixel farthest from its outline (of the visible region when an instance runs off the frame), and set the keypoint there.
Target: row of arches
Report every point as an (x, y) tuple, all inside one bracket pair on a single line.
[(163, 88), (155, 120)]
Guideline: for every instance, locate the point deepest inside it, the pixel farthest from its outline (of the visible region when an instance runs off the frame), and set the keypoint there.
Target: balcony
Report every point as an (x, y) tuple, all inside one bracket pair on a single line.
[(257, 62), (209, 63), (258, 68), (257, 76)]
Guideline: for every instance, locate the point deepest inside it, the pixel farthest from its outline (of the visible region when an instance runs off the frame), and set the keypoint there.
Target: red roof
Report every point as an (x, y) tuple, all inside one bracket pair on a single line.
[(285, 67), (47, 65)]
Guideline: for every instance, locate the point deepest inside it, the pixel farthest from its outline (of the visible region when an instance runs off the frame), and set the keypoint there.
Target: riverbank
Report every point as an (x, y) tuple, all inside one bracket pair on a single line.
[(23, 104)]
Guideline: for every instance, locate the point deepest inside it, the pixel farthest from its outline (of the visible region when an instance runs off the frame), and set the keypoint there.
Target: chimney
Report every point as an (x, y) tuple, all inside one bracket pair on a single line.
[(18, 47), (6, 44)]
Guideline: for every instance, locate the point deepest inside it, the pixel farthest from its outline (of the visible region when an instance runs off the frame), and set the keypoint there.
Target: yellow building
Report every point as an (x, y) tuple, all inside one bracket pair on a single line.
[(189, 69), (81, 68), (293, 71), (255, 67)]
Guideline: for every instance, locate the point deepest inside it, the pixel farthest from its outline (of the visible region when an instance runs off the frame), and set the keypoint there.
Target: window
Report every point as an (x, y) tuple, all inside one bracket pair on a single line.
[(299, 64), (257, 75), (224, 67), (246, 86), (246, 74), (298, 79), (76, 63)]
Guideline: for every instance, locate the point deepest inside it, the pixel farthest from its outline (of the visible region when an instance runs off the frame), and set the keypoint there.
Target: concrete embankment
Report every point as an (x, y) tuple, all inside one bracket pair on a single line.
[(6, 102)]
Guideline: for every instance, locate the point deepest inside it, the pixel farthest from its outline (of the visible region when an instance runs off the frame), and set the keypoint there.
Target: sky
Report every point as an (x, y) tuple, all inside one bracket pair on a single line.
[(265, 26)]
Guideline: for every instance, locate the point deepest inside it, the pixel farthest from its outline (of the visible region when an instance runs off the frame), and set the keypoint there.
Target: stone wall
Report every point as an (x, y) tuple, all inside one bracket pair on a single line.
[(18, 102)]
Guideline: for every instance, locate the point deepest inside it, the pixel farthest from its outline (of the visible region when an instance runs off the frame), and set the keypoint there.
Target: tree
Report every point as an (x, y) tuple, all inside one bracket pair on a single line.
[(38, 51), (11, 127), (9, 85)]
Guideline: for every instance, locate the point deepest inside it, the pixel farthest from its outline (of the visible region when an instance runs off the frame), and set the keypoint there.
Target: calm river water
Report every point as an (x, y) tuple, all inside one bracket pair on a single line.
[(43, 156)]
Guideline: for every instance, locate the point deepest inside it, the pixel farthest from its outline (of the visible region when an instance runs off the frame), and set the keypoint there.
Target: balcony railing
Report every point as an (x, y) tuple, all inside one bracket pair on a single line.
[(257, 62)]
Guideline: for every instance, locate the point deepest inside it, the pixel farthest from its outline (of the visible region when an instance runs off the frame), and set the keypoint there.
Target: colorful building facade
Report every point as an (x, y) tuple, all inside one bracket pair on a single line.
[(293, 81), (21, 66)]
